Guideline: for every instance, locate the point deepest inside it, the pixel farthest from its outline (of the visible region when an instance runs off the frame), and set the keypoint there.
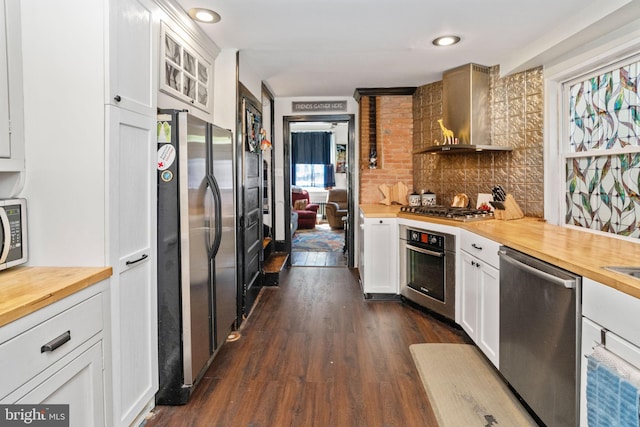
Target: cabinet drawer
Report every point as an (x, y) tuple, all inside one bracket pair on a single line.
[(21, 358), (482, 248), (614, 310)]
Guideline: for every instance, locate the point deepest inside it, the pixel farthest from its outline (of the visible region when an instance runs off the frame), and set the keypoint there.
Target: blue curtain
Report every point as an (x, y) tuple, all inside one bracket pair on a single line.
[(312, 148), (329, 176)]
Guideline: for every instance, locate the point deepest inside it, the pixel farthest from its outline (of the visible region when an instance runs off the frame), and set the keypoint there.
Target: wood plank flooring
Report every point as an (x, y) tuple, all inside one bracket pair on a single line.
[(318, 259), (314, 353)]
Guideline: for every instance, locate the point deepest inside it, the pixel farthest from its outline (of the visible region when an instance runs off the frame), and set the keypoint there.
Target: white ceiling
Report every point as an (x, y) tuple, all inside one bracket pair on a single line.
[(332, 47)]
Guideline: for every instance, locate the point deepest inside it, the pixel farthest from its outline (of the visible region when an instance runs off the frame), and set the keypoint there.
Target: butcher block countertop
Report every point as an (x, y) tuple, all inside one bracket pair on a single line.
[(580, 252), (380, 211), (24, 290)]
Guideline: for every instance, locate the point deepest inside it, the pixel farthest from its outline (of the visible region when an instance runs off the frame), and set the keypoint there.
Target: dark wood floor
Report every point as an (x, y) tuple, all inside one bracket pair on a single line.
[(314, 353), (318, 259)]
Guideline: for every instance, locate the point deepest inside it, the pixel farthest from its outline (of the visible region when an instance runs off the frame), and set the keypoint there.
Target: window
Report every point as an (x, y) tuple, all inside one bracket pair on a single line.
[(601, 151), (311, 159), (309, 175)]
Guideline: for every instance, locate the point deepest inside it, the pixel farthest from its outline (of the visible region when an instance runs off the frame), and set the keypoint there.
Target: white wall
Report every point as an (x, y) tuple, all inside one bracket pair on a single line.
[(249, 78), (283, 109), (63, 68), (224, 93), (595, 20)]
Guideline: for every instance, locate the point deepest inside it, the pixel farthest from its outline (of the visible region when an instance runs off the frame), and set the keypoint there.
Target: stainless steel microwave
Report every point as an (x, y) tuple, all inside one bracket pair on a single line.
[(13, 232)]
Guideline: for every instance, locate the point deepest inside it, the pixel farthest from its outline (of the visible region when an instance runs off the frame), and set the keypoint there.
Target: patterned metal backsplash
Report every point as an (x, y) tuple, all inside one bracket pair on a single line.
[(516, 107)]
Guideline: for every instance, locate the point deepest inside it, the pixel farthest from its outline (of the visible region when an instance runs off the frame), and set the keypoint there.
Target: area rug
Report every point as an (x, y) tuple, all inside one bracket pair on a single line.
[(464, 390), (320, 239)]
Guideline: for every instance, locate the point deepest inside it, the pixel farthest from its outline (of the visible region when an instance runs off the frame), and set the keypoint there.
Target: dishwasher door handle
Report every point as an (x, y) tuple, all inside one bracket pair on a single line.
[(567, 283)]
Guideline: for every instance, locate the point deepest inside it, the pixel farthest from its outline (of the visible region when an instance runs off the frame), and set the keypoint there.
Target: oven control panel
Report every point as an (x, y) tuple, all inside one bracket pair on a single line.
[(421, 238)]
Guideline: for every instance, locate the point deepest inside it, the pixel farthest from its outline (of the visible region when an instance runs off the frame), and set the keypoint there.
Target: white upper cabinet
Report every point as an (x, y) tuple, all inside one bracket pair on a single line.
[(5, 142), (185, 72), (133, 38), (11, 98)]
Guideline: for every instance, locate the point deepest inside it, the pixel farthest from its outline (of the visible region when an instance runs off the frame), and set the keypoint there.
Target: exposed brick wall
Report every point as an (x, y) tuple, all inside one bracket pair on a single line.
[(394, 117)]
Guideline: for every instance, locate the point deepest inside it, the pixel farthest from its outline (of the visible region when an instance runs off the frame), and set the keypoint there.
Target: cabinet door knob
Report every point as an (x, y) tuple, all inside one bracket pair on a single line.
[(117, 98)]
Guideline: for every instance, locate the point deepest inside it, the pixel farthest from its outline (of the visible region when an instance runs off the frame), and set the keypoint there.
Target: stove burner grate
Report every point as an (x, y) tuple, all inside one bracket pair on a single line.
[(446, 212)]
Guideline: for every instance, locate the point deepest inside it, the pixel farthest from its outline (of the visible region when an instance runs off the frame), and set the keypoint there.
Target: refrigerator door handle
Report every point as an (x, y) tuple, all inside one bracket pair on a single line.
[(217, 201)]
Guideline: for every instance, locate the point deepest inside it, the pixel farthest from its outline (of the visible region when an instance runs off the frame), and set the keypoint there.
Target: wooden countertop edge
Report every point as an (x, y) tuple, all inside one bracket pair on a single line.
[(619, 281), (39, 298), (380, 211), (593, 271)]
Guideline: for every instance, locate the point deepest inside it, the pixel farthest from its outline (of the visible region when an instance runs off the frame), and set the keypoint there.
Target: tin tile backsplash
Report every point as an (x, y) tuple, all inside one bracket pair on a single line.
[(516, 106)]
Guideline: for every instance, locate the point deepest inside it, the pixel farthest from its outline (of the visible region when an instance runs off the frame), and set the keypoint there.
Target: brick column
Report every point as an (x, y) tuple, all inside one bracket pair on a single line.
[(394, 128)]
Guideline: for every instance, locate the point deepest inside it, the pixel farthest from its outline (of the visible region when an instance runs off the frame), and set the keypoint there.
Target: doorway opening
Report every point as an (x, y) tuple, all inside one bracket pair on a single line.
[(318, 157)]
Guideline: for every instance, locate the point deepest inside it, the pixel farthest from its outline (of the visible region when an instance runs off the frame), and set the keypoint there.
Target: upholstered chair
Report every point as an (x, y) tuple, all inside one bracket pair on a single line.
[(337, 206), (307, 212)]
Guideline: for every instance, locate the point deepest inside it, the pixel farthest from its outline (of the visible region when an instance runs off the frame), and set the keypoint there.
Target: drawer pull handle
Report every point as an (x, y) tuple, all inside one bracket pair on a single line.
[(474, 246), (142, 258), (56, 342)]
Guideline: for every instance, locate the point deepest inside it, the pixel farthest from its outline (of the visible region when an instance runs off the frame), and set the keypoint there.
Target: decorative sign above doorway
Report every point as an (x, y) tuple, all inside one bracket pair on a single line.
[(318, 106)]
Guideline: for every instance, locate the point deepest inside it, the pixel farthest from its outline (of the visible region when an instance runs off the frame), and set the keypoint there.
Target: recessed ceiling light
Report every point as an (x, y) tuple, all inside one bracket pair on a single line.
[(204, 15), (446, 40)]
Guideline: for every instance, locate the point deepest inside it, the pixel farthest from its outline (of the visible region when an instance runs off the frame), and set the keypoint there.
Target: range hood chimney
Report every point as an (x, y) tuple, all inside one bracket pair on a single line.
[(465, 104), (466, 110)]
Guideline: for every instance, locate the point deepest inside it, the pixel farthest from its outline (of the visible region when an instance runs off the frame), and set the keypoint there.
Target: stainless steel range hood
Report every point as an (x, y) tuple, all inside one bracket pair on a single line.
[(466, 110)]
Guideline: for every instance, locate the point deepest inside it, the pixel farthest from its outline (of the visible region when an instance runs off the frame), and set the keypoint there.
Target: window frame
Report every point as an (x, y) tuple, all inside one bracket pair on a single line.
[(558, 78)]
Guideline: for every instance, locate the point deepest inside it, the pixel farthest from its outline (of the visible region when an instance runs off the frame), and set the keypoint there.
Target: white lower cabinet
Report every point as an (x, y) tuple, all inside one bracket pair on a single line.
[(79, 384), (71, 369), (379, 255), (480, 293), (612, 315)]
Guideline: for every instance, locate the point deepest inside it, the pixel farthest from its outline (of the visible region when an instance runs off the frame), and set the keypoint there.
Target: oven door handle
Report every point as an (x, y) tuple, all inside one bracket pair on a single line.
[(425, 251)]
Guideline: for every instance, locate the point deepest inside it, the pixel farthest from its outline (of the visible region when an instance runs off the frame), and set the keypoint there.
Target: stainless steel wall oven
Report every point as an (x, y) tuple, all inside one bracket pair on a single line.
[(428, 269)]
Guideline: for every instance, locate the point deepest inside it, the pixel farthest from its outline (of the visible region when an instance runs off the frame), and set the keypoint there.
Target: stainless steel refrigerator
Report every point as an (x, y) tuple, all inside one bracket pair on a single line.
[(197, 290)]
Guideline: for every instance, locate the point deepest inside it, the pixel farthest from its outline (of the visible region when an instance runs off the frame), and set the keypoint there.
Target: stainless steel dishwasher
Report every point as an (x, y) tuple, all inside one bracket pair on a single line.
[(539, 330)]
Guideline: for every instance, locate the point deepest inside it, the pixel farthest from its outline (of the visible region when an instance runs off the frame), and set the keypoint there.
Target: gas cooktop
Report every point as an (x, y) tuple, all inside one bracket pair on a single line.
[(446, 212)]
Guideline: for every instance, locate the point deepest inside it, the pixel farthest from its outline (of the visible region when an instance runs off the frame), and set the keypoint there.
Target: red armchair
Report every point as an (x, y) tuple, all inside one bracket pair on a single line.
[(306, 217)]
